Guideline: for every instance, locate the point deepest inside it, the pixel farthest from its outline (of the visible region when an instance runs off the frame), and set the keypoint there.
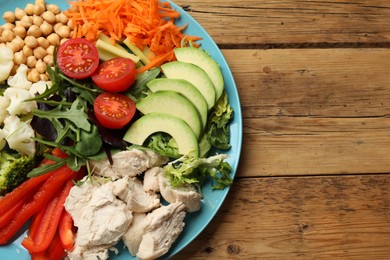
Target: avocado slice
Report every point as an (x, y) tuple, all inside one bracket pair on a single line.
[(160, 122), (193, 74), (186, 89), (173, 103), (201, 59)]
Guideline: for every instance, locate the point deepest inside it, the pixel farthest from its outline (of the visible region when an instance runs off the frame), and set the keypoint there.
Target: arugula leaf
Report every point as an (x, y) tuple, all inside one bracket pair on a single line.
[(74, 114)]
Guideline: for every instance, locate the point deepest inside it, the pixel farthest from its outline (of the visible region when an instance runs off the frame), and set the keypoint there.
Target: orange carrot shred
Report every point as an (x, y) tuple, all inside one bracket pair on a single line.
[(148, 23)]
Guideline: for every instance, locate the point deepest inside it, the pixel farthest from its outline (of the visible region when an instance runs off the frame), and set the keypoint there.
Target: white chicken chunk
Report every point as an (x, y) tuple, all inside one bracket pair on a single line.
[(92, 206), (128, 163), (133, 236), (151, 184), (130, 190), (187, 194), (161, 228)]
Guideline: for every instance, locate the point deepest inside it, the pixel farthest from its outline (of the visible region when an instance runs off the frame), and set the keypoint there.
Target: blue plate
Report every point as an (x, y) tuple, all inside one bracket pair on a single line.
[(212, 201)]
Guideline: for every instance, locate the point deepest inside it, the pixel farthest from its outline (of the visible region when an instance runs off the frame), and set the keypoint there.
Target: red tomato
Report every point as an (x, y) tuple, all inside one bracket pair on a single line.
[(115, 75), (114, 110), (78, 58)]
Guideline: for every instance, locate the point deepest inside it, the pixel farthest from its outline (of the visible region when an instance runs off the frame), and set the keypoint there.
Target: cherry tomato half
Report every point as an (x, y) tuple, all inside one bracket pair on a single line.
[(78, 58), (114, 110), (115, 75)]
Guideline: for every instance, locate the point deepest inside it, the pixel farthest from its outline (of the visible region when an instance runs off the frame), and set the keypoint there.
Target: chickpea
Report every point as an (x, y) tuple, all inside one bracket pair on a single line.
[(64, 31), (37, 20), (7, 35), (49, 17), (31, 41), (44, 77), (19, 58), (69, 24), (46, 28), (53, 8), (40, 66), (9, 17), (43, 42), (35, 31), (48, 59), (31, 61), (56, 26), (19, 13), (19, 42), (29, 9), (20, 31), (12, 46), (39, 52), (38, 9), (62, 18), (33, 75), (27, 51), (53, 39), (50, 50), (14, 69), (9, 26), (26, 21), (63, 40)]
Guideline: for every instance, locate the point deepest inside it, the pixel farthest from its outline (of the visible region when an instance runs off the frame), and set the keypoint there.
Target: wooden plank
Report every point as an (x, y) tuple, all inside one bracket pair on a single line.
[(286, 146), (300, 218), (312, 82), (292, 23)]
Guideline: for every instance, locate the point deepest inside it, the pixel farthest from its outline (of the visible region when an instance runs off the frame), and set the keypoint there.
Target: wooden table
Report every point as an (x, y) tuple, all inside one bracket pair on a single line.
[(314, 83)]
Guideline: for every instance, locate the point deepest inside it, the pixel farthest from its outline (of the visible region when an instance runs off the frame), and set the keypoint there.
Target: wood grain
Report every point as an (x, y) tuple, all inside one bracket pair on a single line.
[(304, 23), (300, 218)]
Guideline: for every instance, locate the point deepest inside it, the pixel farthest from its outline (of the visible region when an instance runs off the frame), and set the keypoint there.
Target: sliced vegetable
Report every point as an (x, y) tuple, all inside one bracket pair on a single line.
[(39, 200), (78, 58), (143, 23), (65, 230), (115, 75), (114, 51), (114, 110), (43, 234)]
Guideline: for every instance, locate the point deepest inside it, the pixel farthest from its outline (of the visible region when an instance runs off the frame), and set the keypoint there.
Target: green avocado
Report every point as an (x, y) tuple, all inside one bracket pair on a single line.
[(160, 122), (193, 74), (186, 89), (201, 59), (172, 103)]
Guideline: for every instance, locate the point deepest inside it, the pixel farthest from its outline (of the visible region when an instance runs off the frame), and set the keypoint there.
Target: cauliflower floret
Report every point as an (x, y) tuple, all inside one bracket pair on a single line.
[(39, 87), (6, 62), (19, 80), (18, 135), (17, 96), (4, 103)]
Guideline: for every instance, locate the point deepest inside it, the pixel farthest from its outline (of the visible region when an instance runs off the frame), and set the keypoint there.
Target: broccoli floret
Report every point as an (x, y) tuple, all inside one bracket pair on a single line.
[(14, 169)]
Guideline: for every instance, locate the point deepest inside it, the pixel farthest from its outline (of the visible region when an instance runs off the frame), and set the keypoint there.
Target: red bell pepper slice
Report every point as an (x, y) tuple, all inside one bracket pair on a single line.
[(40, 199), (65, 230), (43, 235), (54, 252)]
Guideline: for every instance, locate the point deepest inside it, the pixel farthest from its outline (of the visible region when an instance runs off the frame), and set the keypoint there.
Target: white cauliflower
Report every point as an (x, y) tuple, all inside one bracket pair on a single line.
[(19, 80), (39, 87), (6, 62), (17, 96), (18, 135), (4, 103), (2, 139)]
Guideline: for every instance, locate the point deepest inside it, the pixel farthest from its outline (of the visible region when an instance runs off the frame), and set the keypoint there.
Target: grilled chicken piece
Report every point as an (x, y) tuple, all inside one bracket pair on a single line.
[(187, 194), (151, 180), (128, 163), (161, 228), (133, 236), (101, 218), (130, 190)]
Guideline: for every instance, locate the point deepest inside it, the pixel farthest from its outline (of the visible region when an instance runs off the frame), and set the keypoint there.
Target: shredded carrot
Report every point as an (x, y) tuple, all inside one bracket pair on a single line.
[(148, 23)]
